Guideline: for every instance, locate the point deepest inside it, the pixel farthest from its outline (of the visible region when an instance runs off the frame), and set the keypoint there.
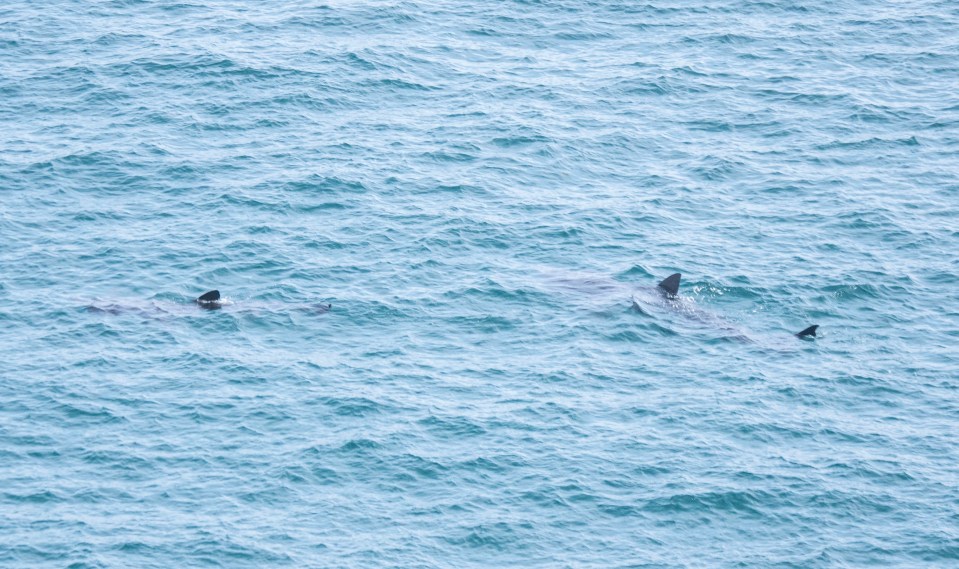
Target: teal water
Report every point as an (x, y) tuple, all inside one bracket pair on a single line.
[(480, 190)]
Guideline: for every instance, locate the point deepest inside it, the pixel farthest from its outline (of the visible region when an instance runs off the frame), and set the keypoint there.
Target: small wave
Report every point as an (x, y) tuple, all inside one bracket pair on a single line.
[(869, 143), (710, 503), (41, 497), (453, 427)]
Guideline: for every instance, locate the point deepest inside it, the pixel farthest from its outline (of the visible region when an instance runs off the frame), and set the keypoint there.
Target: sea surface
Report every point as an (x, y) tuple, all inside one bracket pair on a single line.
[(487, 193)]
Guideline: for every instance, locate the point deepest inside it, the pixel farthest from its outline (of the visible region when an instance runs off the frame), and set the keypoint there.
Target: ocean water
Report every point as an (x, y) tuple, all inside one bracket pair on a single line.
[(481, 190)]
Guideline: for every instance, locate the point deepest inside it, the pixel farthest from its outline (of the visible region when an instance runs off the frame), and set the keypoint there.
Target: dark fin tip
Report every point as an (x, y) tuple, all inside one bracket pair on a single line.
[(212, 296), (811, 332), (671, 284)]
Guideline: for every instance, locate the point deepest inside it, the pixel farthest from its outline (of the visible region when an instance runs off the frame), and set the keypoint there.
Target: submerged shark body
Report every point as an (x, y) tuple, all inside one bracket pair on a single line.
[(208, 301)]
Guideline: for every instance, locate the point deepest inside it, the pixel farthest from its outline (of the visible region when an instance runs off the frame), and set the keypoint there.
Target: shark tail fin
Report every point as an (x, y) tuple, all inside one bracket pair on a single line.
[(212, 296), (811, 332), (671, 284)]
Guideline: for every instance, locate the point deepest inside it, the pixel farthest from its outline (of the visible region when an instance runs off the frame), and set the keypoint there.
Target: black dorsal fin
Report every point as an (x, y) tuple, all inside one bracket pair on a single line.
[(671, 284), (811, 331), (212, 296)]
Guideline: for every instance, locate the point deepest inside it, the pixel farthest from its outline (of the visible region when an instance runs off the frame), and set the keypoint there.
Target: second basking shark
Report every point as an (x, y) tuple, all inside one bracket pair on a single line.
[(669, 288), (210, 300)]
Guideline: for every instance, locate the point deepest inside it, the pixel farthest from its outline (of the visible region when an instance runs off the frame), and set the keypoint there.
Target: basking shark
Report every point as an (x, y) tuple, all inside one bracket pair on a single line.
[(668, 289), (210, 300)]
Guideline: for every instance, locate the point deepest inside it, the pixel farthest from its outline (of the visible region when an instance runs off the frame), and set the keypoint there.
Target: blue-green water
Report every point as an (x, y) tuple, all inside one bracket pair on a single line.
[(479, 189)]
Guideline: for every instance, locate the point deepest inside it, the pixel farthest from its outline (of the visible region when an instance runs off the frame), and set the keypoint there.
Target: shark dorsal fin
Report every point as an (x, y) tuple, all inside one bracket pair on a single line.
[(671, 284), (212, 296), (811, 331)]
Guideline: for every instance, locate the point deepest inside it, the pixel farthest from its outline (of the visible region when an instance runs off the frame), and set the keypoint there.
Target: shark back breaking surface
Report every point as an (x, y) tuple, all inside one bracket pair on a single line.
[(666, 293), (211, 300)]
